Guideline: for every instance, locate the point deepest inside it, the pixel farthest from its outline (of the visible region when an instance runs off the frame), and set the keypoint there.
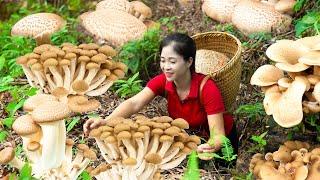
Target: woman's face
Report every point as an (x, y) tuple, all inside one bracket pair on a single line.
[(172, 64)]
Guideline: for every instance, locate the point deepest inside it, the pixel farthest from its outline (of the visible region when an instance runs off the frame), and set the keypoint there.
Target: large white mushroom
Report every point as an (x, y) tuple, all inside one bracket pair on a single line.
[(39, 26)]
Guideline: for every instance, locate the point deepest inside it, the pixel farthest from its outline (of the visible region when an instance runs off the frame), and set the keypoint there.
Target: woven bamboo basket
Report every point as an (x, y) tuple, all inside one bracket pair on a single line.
[(228, 77)]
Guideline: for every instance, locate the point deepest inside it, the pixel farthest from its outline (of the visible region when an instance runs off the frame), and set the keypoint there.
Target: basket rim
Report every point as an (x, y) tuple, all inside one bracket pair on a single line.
[(233, 59)]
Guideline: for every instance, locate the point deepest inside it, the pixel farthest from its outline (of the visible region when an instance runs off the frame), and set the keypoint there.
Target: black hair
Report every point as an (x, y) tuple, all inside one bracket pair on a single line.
[(183, 45)]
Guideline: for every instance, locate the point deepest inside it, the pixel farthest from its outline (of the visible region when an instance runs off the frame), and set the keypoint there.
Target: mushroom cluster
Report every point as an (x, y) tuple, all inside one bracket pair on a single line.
[(251, 16), (209, 61), (138, 148), (293, 160), (116, 22), (43, 133), (293, 82), (84, 69)]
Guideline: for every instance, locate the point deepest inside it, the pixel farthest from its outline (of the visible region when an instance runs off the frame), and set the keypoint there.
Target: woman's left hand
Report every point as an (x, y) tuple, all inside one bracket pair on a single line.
[(207, 148)]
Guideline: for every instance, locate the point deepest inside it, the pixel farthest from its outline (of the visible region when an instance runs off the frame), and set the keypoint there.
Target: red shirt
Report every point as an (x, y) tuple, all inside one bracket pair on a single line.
[(191, 108)]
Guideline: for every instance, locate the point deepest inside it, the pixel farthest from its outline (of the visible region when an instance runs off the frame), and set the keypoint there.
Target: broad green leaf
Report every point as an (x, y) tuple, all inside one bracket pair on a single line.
[(85, 176), (25, 172)]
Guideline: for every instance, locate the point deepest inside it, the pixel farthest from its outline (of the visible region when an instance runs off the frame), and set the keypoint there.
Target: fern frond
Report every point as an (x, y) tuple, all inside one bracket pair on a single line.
[(227, 149), (192, 172)]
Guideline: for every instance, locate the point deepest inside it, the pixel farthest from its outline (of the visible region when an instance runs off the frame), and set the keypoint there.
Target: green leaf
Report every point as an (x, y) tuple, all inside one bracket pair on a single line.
[(192, 172), (12, 107), (85, 176), (3, 135), (298, 5), (72, 123), (8, 122), (25, 172), (2, 62)]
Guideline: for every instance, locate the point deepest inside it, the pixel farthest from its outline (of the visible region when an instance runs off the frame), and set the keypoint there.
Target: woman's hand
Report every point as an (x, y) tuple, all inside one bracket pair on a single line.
[(205, 150), (92, 123)]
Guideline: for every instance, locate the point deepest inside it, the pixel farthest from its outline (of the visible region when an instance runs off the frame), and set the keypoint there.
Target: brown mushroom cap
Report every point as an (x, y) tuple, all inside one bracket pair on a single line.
[(119, 5), (6, 155), (37, 24), (80, 86), (153, 158), (266, 75), (50, 111), (115, 27), (141, 8), (82, 104), (34, 101), (90, 154), (180, 123), (32, 146), (129, 161), (107, 50), (24, 125), (253, 16), (219, 10)]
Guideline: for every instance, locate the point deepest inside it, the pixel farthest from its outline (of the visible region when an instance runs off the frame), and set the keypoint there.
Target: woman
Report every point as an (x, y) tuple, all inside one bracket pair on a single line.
[(179, 84)]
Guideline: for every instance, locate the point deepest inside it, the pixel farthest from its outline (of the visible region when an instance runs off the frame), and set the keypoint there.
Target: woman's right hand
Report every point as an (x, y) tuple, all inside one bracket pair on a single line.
[(92, 123)]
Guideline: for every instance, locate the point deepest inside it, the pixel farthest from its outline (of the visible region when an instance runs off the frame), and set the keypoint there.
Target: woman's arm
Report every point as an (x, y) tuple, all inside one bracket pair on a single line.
[(216, 126), (133, 104), (125, 109)]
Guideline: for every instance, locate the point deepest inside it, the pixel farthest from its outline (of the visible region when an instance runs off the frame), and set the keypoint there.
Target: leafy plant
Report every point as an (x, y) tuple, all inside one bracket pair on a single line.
[(252, 111), (308, 23), (71, 123), (248, 176), (24, 174), (227, 152), (257, 39), (84, 176), (167, 23), (259, 141), (129, 87), (192, 172), (140, 55), (299, 4)]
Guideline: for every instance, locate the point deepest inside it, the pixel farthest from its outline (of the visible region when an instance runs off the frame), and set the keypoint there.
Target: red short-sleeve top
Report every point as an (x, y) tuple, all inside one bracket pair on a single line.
[(191, 109)]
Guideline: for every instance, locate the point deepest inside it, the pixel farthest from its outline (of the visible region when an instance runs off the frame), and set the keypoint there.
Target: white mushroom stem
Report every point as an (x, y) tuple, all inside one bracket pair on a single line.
[(131, 150), (105, 152), (101, 90), (140, 169), (68, 156), (114, 152), (78, 158), (76, 172), (165, 146), (169, 155), (147, 172), (52, 85), (40, 78), (97, 83), (30, 76), (155, 144), (146, 141), (73, 68), (81, 71), (104, 175), (53, 146), (140, 153), (67, 77), (173, 163), (57, 76), (91, 74), (123, 154), (17, 163)]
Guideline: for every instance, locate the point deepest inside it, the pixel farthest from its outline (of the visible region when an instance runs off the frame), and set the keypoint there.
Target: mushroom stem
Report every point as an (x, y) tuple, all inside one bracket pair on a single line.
[(101, 90), (173, 163), (81, 69), (104, 151), (165, 146), (169, 155), (97, 83), (130, 148), (72, 68), (17, 163), (155, 144), (140, 169), (52, 85), (67, 77), (147, 172), (56, 76), (140, 152), (30, 76), (76, 172), (91, 74)]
